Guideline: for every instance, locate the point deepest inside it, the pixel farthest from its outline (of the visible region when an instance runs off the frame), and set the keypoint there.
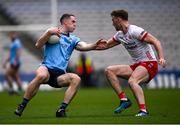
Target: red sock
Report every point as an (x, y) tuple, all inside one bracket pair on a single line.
[(122, 96), (142, 107)]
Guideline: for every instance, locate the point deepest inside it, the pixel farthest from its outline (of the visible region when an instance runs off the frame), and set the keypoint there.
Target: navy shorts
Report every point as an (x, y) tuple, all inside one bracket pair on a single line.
[(16, 67), (54, 74)]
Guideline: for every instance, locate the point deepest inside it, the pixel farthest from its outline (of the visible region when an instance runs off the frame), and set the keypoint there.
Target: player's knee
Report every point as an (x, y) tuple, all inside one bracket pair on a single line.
[(108, 70), (42, 77), (132, 82), (76, 79)]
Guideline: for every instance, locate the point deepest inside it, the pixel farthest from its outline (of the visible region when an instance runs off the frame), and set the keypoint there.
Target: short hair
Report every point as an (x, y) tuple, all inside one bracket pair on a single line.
[(120, 13), (12, 33), (65, 16)]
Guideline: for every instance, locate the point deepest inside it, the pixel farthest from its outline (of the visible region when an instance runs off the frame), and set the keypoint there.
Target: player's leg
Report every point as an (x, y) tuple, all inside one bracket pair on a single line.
[(139, 75), (72, 81), (9, 78), (42, 75), (18, 79), (112, 74)]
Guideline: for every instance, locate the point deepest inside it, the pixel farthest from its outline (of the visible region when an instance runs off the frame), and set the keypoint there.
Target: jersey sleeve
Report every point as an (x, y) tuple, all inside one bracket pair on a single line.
[(18, 44), (76, 41), (117, 37), (139, 33)]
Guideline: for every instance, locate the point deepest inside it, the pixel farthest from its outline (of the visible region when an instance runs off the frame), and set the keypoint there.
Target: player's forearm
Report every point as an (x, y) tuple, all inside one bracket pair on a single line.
[(105, 44), (5, 61), (159, 49), (43, 39), (87, 47), (111, 43), (8, 58)]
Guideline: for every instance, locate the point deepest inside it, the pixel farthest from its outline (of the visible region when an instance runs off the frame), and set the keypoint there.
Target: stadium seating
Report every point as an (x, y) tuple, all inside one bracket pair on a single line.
[(159, 17)]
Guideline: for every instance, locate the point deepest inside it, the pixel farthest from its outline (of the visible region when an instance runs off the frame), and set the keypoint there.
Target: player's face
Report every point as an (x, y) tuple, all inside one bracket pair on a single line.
[(116, 23), (12, 35), (71, 24)]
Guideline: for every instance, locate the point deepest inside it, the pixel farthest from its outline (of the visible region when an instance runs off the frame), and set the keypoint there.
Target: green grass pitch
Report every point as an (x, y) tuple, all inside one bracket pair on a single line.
[(92, 106)]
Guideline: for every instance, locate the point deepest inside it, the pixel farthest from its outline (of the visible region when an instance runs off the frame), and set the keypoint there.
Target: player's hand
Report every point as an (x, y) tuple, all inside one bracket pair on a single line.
[(54, 30), (101, 44), (162, 62), (4, 66)]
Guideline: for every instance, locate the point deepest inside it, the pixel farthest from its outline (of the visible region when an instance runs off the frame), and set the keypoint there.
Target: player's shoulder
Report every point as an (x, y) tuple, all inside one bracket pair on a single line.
[(72, 36), (17, 41), (119, 33), (134, 27)]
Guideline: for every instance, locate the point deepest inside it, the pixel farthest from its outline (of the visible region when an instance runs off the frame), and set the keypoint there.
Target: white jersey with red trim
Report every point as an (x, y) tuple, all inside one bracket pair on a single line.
[(133, 42)]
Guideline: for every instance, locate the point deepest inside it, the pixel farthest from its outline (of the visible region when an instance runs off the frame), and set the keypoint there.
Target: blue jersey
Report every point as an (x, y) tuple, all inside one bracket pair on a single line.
[(15, 45), (56, 56)]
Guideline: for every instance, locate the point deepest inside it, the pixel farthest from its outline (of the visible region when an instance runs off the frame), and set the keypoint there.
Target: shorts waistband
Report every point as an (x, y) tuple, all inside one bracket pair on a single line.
[(56, 70)]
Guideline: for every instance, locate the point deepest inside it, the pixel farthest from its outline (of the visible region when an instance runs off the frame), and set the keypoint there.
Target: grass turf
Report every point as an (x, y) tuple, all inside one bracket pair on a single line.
[(92, 106)]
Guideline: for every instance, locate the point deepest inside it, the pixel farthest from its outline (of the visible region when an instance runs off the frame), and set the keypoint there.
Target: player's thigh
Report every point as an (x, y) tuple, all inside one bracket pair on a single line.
[(42, 74), (16, 75), (15, 71), (139, 75), (9, 71), (65, 79), (123, 71)]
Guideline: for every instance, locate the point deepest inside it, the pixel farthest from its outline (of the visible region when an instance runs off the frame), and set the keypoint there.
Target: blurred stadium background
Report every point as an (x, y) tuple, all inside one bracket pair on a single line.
[(30, 18)]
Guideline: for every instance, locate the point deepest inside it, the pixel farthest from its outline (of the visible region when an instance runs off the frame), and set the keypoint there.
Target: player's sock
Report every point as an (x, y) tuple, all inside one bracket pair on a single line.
[(24, 102), (18, 92), (19, 89), (61, 112), (11, 91), (122, 96), (63, 105), (142, 107)]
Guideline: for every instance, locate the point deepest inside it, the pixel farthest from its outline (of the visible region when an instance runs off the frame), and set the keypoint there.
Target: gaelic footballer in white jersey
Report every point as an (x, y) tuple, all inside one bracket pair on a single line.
[(138, 50)]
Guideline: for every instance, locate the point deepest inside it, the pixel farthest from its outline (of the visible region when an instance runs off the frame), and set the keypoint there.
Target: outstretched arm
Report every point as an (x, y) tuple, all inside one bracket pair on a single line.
[(106, 44), (98, 45), (83, 46), (157, 44), (44, 38)]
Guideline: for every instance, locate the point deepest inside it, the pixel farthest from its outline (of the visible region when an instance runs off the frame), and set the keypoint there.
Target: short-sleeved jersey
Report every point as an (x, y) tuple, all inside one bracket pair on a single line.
[(139, 50), (15, 45), (56, 56)]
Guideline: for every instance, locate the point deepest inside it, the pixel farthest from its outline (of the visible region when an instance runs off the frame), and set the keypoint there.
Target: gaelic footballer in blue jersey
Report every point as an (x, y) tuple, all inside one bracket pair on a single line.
[(52, 70), (12, 71)]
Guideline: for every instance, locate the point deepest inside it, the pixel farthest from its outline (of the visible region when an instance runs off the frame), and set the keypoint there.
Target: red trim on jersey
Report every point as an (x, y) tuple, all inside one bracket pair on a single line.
[(114, 39), (144, 36)]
